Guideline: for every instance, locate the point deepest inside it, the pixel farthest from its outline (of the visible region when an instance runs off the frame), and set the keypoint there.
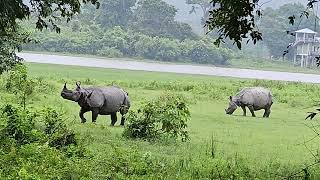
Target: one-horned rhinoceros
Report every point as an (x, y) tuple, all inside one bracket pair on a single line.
[(255, 98), (99, 100)]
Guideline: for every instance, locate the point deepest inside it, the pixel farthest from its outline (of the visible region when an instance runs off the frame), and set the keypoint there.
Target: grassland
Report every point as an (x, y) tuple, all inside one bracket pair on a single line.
[(220, 144)]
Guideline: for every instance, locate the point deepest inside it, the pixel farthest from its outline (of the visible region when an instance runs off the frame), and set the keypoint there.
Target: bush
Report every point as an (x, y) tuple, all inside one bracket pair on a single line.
[(117, 42), (18, 82), (115, 38), (165, 116), (110, 52), (205, 53), (19, 126), (167, 50), (37, 145)]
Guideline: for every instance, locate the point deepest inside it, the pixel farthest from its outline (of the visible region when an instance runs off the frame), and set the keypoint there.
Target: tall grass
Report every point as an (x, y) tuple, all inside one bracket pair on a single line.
[(221, 146)]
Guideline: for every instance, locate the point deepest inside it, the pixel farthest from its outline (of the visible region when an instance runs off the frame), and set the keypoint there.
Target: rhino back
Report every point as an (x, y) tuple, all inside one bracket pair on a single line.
[(257, 96), (114, 99)]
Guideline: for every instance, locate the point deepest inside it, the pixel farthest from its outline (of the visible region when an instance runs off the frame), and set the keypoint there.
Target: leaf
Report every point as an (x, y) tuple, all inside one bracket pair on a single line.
[(291, 19), (238, 44), (311, 115)]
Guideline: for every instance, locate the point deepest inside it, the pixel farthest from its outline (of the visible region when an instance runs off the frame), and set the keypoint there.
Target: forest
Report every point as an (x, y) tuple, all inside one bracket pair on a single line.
[(149, 30)]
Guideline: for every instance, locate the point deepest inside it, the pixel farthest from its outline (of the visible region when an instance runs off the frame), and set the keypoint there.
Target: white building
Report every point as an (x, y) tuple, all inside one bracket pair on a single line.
[(307, 46)]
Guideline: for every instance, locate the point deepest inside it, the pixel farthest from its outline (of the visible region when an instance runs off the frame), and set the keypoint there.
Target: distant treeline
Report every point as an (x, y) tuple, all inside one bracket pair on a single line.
[(117, 42), (145, 29)]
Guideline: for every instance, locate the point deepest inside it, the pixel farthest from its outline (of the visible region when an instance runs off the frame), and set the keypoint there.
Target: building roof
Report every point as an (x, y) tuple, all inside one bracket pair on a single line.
[(306, 30)]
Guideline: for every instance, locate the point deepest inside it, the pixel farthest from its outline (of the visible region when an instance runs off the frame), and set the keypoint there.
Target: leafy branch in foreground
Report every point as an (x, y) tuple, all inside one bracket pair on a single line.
[(234, 20), (46, 13), (237, 20), (312, 114)]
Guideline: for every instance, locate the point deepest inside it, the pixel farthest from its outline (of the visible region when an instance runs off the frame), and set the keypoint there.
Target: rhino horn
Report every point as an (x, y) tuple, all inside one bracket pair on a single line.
[(65, 86)]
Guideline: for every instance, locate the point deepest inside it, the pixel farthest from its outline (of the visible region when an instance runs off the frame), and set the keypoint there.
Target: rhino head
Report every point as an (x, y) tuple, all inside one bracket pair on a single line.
[(75, 95), (233, 105)]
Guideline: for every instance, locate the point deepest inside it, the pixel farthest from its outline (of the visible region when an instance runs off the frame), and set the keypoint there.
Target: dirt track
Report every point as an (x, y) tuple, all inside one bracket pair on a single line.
[(158, 67)]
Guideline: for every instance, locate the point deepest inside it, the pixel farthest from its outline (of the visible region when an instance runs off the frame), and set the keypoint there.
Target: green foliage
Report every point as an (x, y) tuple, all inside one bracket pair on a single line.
[(156, 18), (32, 150), (204, 53), (166, 115), (237, 24), (59, 136), (46, 13), (117, 42), (9, 43), (19, 125), (110, 52), (113, 13), (273, 25), (18, 82)]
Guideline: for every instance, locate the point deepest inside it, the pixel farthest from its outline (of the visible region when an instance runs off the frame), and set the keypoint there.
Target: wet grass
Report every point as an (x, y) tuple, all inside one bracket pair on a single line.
[(270, 144)]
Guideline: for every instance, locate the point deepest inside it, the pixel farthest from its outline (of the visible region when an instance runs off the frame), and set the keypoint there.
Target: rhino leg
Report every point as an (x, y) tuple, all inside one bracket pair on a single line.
[(267, 112), (82, 111), (113, 118), (244, 110), (122, 120), (251, 110), (95, 113)]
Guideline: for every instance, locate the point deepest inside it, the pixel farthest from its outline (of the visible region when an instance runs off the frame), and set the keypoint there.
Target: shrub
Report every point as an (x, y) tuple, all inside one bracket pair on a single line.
[(165, 116), (117, 42), (110, 52), (205, 53), (37, 145), (167, 49), (19, 125), (18, 82), (116, 39)]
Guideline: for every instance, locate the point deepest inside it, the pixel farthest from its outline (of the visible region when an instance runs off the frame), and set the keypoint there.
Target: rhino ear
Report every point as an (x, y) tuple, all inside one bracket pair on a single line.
[(89, 95), (78, 83), (65, 86), (230, 98)]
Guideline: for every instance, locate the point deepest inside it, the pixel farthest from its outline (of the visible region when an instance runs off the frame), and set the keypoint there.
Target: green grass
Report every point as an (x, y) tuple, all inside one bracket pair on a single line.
[(271, 65), (264, 144)]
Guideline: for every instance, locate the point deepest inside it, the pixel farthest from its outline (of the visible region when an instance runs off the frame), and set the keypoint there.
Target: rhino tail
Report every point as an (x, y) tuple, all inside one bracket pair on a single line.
[(271, 98)]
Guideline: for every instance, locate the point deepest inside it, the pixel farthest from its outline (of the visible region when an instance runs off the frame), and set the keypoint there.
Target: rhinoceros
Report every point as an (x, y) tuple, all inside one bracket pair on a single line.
[(99, 100), (255, 98)]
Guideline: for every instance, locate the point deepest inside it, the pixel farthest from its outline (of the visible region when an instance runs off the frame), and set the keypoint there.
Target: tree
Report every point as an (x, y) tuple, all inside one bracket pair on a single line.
[(156, 18), (114, 13), (205, 6), (47, 12), (274, 24), (236, 20), (8, 43)]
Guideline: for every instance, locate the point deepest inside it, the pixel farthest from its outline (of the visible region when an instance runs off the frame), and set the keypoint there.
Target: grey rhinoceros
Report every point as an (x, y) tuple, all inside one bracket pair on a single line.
[(99, 100), (255, 98)]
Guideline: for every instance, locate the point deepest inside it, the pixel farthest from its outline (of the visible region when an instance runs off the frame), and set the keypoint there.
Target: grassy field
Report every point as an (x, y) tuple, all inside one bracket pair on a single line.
[(263, 148), (271, 65)]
